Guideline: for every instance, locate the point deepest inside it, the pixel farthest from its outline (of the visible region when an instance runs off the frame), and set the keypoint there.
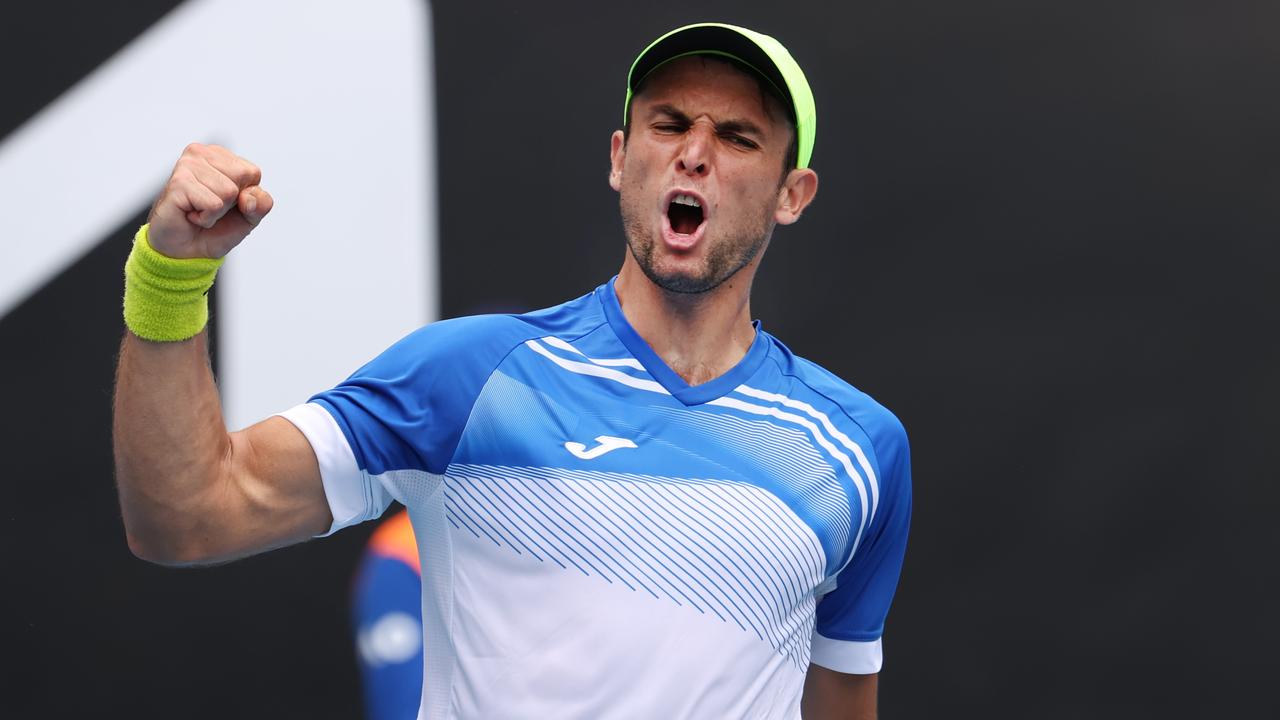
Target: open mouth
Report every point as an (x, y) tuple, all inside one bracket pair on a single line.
[(685, 214)]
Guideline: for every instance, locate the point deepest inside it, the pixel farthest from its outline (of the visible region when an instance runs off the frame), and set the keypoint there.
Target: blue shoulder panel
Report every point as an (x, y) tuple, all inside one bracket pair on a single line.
[(856, 608), (406, 409)]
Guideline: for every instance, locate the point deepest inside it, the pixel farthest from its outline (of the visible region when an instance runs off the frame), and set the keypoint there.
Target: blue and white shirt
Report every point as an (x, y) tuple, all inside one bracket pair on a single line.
[(599, 539)]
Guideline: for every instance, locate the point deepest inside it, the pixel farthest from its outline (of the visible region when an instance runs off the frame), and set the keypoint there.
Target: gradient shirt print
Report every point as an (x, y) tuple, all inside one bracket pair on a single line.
[(600, 539)]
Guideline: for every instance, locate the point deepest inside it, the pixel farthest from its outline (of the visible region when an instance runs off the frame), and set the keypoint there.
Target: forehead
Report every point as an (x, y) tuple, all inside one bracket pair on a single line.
[(700, 84)]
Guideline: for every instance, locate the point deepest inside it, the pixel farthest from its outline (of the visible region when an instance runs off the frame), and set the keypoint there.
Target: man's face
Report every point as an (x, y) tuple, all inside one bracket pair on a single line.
[(701, 175)]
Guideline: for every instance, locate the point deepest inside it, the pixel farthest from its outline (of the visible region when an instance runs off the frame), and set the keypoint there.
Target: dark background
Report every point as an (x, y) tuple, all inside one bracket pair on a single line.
[(1046, 237)]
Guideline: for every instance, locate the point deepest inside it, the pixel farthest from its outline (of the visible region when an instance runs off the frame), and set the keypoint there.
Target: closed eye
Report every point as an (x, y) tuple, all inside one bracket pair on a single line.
[(740, 141), (669, 127)]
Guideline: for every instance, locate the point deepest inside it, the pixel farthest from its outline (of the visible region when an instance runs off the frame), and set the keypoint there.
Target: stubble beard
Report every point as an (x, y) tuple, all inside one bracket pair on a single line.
[(736, 247)]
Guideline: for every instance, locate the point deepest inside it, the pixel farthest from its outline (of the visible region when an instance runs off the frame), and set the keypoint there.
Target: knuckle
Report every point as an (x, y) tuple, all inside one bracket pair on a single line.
[(184, 170), (182, 179)]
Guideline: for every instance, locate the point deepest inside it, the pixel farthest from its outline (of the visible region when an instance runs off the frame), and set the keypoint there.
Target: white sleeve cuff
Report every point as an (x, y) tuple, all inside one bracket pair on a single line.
[(847, 656), (346, 486)]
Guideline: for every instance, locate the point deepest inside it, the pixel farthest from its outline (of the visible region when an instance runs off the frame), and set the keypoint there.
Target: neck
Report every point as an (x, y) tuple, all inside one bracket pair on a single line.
[(699, 336)]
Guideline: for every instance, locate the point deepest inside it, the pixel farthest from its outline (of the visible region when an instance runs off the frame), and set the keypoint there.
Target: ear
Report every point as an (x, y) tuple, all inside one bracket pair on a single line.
[(794, 196), (617, 156)]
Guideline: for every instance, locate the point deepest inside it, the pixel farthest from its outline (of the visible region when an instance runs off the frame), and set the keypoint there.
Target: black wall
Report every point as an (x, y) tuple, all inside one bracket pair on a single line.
[(1046, 236)]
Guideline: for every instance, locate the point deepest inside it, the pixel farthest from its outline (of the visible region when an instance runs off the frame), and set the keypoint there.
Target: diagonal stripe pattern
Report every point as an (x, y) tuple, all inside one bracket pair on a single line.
[(836, 444), (796, 470), (725, 549)]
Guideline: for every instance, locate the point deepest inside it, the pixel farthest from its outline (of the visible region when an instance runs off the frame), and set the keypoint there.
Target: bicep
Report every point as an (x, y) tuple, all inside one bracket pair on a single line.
[(272, 494), (831, 695)]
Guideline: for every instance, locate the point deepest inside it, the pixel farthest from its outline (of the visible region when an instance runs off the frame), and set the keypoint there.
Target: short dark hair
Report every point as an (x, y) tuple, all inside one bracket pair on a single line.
[(767, 90)]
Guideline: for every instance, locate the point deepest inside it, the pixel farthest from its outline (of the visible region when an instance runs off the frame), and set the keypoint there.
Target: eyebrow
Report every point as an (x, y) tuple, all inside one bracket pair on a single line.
[(736, 125)]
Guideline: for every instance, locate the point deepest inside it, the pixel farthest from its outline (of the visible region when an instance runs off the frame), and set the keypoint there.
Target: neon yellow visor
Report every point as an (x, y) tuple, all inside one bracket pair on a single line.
[(757, 51)]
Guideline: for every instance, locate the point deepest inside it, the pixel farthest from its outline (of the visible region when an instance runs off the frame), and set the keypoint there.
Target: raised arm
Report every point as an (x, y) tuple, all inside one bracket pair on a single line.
[(190, 492)]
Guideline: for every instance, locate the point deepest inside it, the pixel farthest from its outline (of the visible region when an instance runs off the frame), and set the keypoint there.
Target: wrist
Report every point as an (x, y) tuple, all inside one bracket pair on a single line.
[(166, 299)]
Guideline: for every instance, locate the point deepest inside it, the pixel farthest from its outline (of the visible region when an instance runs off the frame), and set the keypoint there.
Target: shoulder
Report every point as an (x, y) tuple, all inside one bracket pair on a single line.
[(484, 340), (847, 403)]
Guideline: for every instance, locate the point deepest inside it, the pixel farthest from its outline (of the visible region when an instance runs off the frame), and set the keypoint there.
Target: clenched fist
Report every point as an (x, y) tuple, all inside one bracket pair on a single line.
[(210, 203)]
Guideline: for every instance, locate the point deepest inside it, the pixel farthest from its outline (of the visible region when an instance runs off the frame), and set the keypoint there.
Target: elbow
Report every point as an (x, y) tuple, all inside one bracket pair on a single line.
[(150, 552), (160, 531), (166, 553)]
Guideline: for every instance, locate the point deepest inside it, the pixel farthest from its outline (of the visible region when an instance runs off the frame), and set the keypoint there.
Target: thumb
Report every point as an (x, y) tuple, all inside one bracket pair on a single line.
[(254, 203)]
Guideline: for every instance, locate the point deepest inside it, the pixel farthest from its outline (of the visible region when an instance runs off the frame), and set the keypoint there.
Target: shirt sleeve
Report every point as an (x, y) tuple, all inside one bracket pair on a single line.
[(405, 410), (850, 618)]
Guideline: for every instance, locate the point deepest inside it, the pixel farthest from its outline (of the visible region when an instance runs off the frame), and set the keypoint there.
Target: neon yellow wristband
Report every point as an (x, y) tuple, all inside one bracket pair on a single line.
[(166, 299)]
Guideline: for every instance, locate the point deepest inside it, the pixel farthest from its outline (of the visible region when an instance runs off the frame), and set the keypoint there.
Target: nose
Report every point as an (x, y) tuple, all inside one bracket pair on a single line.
[(695, 155)]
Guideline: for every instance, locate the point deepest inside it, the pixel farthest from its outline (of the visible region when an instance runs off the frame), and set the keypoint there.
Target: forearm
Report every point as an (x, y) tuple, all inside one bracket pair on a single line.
[(171, 447)]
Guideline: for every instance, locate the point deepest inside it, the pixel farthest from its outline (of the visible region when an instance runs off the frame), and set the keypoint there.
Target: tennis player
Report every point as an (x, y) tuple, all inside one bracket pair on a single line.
[(637, 504)]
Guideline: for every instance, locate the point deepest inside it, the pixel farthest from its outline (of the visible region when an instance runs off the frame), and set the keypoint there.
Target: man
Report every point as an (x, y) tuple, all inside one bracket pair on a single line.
[(635, 504)]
